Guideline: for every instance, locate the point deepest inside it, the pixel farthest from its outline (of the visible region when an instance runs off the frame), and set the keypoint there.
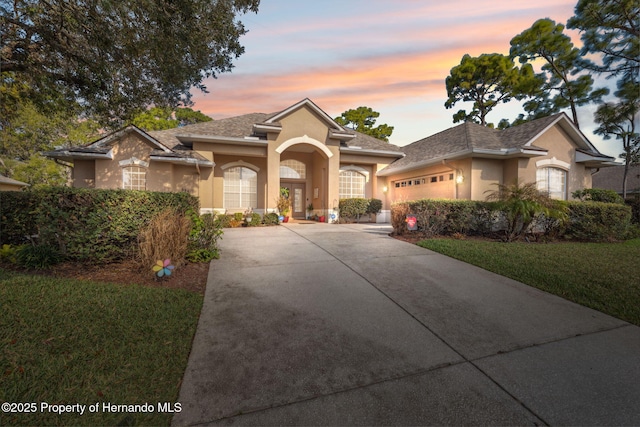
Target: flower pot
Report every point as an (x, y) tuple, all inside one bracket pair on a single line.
[(321, 218), (286, 219)]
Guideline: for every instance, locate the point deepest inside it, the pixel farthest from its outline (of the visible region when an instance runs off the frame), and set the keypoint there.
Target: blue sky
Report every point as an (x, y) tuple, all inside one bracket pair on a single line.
[(391, 56)]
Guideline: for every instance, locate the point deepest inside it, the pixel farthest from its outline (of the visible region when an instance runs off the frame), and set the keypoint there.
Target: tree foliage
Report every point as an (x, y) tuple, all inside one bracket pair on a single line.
[(487, 80), (619, 120), (545, 40), (362, 120), (158, 118), (116, 57), (610, 28)]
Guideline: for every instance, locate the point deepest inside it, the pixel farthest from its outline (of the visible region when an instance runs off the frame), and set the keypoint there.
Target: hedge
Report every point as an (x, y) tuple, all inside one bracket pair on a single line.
[(598, 221), (86, 225), (352, 209), (590, 221)]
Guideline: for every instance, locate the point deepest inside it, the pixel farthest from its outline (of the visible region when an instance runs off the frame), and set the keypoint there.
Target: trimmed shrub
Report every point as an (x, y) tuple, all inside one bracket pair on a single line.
[(203, 238), (224, 221), (255, 220), (85, 225), (634, 203), (598, 221), (597, 195), (270, 219), (353, 209), (375, 206), (442, 217)]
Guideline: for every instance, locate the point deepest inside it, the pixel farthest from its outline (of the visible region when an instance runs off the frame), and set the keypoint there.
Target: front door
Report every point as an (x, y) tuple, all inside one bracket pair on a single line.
[(297, 198)]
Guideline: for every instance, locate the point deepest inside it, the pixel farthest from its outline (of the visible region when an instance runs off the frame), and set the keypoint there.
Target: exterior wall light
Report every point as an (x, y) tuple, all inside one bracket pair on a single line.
[(385, 189), (459, 179)]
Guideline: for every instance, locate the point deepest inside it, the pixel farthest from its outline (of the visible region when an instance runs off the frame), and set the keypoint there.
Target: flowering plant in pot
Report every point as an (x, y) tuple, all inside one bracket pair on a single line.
[(283, 204)]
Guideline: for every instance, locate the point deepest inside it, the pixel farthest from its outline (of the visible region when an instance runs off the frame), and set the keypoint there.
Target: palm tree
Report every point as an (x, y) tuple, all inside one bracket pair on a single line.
[(522, 205)]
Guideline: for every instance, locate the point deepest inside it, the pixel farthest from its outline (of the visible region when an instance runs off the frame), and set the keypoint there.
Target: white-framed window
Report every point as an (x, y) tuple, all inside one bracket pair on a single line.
[(240, 188), (134, 178), (552, 181), (291, 168), (351, 184)]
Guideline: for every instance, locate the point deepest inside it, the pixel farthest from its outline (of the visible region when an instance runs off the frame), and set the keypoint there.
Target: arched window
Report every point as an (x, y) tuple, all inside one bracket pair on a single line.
[(552, 181), (134, 178), (240, 188), (293, 169), (351, 184)]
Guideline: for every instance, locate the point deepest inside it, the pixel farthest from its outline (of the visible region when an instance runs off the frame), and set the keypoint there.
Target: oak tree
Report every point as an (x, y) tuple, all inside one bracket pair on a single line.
[(117, 57)]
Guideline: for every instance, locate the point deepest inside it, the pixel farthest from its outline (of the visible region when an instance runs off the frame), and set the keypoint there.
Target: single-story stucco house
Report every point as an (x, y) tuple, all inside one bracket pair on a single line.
[(242, 162), (10, 184)]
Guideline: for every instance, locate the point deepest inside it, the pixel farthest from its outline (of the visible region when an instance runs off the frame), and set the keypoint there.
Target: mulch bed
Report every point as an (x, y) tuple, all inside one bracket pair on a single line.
[(190, 277)]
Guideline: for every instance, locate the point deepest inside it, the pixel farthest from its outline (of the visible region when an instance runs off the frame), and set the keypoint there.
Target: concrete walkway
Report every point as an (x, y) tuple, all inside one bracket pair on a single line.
[(318, 324)]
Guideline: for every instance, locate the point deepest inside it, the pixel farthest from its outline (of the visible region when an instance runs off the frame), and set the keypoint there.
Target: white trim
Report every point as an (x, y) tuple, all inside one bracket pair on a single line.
[(355, 168), (552, 162), (241, 163), (304, 140), (133, 161)]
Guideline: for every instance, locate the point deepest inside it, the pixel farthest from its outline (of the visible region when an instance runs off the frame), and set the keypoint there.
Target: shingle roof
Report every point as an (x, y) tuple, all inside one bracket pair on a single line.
[(233, 127), (242, 126), (468, 137), (611, 179)]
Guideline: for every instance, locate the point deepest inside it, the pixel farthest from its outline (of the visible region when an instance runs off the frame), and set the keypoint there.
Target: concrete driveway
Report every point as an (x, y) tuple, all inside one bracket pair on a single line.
[(318, 324)]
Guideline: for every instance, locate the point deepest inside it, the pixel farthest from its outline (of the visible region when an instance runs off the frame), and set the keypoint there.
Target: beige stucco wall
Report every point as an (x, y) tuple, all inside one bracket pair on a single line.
[(485, 175), (84, 173), (108, 173), (560, 147)]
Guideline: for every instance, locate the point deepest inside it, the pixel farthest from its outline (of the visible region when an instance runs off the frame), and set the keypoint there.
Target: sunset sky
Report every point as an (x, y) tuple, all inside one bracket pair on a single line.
[(392, 56)]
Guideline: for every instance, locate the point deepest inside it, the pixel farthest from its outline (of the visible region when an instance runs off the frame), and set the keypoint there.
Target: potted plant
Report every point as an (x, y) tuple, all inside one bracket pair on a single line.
[(309, 210), (283, 204)]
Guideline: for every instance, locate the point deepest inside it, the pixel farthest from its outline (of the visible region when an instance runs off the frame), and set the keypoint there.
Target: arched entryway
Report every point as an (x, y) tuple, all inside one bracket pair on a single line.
[(304, 165)]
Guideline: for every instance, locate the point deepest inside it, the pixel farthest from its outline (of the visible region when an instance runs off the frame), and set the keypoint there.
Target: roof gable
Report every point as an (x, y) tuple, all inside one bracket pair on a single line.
[(306, 103), (112, 138)]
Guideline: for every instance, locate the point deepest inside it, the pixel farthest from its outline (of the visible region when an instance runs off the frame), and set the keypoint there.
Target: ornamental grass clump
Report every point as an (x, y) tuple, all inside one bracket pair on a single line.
[(165, 237)]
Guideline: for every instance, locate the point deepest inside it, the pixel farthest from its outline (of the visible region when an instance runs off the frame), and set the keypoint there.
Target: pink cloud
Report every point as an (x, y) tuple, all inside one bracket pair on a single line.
[(384, 57)]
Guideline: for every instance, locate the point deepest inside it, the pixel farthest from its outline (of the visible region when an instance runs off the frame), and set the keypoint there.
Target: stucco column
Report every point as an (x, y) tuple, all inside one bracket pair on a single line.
[(333, 180), (273, 177)]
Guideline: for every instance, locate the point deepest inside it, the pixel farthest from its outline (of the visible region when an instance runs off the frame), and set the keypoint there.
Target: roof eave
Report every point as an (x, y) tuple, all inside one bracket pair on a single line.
[(343, 136), (592, 160), (189, 139), (476, 152), (260, 127), (182, 161), (371, 152), (71, 155)]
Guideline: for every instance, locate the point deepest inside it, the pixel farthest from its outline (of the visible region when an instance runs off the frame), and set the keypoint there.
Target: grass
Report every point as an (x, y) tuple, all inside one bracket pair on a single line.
[(65, 342), (602, 276)]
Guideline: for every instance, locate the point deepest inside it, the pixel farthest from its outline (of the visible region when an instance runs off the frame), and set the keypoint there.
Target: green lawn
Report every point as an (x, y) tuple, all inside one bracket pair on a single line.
[(603, 276), (74, 342)]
